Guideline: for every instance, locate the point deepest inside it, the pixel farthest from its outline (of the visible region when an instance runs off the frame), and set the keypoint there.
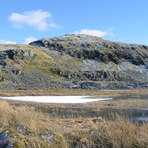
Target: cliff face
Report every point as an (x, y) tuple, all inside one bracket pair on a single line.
[(74, 61), (93, 48)]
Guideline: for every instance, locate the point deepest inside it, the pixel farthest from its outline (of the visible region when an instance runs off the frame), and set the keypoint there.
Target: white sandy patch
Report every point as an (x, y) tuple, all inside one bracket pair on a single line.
[(56, 99)]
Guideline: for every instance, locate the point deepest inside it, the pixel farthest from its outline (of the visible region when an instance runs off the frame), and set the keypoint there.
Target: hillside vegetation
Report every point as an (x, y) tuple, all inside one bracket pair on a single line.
[(74, 61)]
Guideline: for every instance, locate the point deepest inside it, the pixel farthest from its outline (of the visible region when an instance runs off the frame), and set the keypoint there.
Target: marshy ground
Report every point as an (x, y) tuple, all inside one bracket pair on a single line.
[(105, 124)]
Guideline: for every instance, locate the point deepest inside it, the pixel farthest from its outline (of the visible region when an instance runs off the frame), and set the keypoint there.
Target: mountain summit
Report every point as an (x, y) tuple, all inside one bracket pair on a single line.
[(74, 61)]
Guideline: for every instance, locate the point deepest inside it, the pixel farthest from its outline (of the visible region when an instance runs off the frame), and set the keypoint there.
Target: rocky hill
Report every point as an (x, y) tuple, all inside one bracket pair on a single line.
[(74, 61)]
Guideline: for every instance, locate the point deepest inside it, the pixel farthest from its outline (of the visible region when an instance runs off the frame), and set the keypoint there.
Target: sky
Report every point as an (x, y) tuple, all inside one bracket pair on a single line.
[(23, 21)]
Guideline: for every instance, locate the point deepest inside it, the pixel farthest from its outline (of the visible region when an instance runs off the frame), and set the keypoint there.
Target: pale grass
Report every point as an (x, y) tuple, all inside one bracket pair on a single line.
[(122, 133), (67, 92), (80, 132)]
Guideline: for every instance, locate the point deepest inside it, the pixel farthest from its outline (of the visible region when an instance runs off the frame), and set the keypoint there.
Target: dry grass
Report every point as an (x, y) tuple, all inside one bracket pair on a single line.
[(88, 110), (67, 133), (87, 130), (123, 133), (64, 92), (35, 123)]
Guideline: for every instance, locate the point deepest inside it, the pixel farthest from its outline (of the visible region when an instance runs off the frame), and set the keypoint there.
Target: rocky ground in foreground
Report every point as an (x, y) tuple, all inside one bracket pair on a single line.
[(74, 61)]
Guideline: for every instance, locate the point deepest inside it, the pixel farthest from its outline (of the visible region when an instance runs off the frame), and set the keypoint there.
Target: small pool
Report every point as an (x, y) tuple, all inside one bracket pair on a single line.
[(56, 99)]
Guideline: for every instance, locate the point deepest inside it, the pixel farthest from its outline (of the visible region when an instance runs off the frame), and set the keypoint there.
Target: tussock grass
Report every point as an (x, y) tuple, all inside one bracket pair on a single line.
[(34, 124), (26, 125), (122, 133)]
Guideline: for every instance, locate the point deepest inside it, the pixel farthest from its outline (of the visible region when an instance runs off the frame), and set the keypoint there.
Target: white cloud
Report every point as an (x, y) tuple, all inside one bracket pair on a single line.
[(7, 42), (39, 19), (30, 39), (53, 25), (97, 33)]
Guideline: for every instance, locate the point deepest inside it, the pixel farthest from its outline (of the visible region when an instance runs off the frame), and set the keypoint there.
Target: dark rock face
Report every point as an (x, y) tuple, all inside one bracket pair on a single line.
[(16, 55), (89, 47), (74, 61), (10, 56), (93, 76)]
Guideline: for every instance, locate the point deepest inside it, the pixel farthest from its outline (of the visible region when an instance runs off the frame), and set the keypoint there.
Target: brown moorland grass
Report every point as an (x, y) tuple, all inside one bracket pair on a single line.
[(93, 109), (69, 133), (65, 92)]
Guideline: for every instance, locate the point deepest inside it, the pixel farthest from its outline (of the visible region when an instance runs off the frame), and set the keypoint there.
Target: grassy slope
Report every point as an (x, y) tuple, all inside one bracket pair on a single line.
[(46, 62), (41, 61)]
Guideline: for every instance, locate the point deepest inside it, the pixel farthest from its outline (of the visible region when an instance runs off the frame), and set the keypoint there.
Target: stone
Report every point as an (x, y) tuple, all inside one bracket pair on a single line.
[(4, 143), (47, 137), (21, 128)]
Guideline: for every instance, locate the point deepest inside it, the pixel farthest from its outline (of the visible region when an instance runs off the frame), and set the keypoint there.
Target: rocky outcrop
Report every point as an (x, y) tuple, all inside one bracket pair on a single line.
[(99, 60), (101, 75), (11, 62), (74, 61), (16, 54), (94, 48)]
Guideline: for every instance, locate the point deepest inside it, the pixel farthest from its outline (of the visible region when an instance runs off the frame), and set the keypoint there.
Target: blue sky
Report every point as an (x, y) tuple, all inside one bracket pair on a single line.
[(116, 20)]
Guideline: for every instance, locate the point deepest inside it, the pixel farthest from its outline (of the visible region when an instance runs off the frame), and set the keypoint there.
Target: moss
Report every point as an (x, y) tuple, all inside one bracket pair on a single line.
[(40, 61), (19, 144), (3, 76)]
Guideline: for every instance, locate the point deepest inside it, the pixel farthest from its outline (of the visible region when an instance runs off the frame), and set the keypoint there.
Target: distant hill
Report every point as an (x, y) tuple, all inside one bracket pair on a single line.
[(74, 61)]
